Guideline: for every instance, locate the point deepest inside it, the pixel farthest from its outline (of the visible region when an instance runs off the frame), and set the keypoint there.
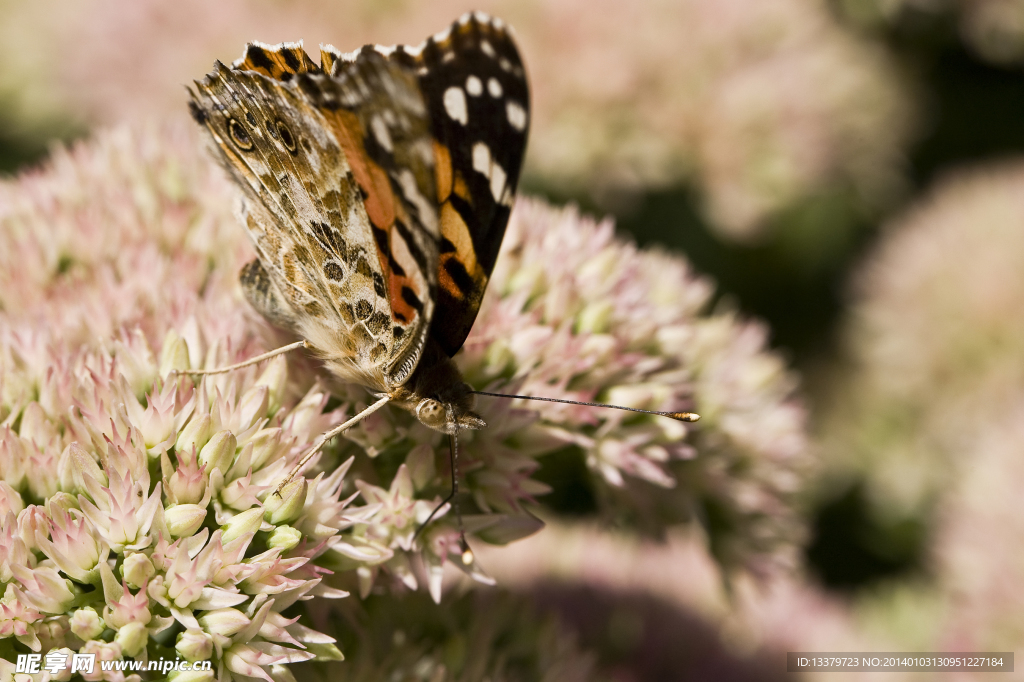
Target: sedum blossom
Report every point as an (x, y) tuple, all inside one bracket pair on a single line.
[(138, 519)]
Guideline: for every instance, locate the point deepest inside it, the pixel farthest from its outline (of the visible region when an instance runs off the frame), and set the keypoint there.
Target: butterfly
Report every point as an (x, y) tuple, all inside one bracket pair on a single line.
[(376, 188)]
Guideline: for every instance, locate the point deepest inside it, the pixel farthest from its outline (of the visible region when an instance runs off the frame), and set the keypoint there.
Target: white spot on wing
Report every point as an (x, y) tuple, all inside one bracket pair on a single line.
[(482, 159), (487, 49), (442, 36), (494, 87), (498, 177), (426, 210), (474, 86), (380, 132), (455, 104), (483, 164), (516, 115)]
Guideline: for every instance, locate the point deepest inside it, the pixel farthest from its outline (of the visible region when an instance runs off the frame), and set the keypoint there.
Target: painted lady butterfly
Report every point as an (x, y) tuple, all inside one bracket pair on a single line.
[(377, 187)]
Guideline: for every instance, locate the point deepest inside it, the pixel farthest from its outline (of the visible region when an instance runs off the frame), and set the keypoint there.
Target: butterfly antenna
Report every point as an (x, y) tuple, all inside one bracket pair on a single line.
[(327, 436), (453, 452), (678, 416), (240, 365)]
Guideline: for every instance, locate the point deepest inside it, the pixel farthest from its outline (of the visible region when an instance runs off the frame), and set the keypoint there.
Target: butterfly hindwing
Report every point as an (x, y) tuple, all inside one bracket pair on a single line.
[(476, 93)]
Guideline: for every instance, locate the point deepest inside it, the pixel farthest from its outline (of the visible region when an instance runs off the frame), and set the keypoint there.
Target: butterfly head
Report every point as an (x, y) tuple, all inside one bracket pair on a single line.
[(437, 394), (446, 416)]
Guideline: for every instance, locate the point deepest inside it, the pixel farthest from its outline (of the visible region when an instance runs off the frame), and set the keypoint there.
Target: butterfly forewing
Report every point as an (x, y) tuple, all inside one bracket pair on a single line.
[(376, 111), (476, 92)]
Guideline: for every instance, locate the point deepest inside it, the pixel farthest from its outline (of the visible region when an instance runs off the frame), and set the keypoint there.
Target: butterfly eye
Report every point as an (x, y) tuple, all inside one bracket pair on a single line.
[(239, 135), (430, 413), (286, 136)]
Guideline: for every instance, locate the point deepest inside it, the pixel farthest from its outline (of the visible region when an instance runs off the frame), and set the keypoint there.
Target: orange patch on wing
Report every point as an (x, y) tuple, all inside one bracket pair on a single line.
[(442, 171), (278, 64), (326, 61), (380, 198), (445, 281), (401, 311), (382, 207), (455, 230)]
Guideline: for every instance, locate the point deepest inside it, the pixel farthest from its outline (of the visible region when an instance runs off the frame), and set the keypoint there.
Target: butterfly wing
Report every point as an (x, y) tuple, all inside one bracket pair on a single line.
[(337, 170), (476, 93)]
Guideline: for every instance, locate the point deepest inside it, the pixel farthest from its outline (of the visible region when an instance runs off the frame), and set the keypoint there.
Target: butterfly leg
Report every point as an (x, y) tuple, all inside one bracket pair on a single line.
[(262, 295), (246, 363), (453, 450), (328, 435)]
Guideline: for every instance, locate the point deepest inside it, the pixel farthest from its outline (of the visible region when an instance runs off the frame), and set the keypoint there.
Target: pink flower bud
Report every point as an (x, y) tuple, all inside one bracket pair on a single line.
[(188, 482), (10, 500)]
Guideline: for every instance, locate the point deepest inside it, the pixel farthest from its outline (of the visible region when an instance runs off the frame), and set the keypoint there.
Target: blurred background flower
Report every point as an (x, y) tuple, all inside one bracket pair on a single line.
[(841, 177), (759, 105), (992, 29)]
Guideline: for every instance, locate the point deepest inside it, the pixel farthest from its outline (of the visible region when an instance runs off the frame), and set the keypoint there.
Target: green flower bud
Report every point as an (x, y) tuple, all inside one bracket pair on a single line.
[(86, 624), (194, 645), (240, 524), (195, 433), (133, 638), (191, 676), (275, 378), (287, 506), (224, 622), (174, 354), (219, 452), (137, 569), (184, 519), (284, 537)]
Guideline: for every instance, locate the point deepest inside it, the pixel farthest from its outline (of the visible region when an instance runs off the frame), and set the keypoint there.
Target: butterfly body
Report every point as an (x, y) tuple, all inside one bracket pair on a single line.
[(376, 189)]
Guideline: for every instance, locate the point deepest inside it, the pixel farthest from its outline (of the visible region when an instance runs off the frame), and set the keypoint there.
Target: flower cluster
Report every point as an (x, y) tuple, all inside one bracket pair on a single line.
[(140, 526), (931, 419), (759, 104), (934, 335), (607, 322), (136, 503)]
